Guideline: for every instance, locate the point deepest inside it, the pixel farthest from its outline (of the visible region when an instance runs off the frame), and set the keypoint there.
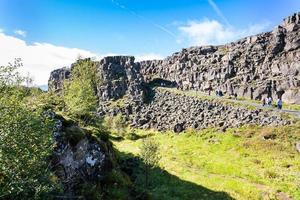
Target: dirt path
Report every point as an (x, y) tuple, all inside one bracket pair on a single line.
[(243, 102), (293, 112)]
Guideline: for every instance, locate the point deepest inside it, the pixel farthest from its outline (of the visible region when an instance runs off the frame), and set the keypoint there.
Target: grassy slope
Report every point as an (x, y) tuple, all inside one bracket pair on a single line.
[(239, 162)]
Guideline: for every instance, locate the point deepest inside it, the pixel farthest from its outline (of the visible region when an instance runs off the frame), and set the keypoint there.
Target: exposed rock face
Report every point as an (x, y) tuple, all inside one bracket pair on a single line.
[(255, 67), (169, 111), (56, 79), (120, 76), (263, 65), (88, 160)]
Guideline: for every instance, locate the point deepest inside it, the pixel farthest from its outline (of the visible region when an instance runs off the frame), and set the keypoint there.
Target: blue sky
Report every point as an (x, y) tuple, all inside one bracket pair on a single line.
[(146, 29)]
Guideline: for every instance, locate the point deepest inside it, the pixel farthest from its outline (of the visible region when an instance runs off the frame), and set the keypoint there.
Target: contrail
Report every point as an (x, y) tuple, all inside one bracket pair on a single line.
[(218, 11), (162, 28)]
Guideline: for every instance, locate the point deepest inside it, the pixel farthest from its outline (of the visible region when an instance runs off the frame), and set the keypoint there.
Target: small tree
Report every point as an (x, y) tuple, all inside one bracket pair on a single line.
[(80, 91), (150, 155)]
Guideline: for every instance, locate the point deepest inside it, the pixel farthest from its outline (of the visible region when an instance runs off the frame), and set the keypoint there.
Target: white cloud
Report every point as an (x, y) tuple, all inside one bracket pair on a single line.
[(39, 59), (212, 32), (20, 33), (149, 56)]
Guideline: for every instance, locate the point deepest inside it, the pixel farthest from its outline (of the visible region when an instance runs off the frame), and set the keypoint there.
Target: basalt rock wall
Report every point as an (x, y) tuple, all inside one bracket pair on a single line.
[(120, 76), (255, 67), (266, 64)]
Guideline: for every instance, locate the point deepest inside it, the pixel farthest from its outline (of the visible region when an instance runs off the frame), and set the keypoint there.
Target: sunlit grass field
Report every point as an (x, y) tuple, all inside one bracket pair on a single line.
[(246, 163)]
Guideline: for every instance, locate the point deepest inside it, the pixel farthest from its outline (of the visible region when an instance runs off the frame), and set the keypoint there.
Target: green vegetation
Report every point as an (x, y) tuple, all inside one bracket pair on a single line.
[(247, 163), (117, 125), (25, 141), (26, 131), (149, 154), (79, 92), (291, 106), (244, 163)]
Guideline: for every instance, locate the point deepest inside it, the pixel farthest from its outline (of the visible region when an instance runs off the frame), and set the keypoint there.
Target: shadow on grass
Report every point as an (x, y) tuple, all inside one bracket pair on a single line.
[(163, 185), (130, 136)]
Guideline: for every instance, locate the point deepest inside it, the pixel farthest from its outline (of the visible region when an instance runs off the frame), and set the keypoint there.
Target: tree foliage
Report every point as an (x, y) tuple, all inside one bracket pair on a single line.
[(149, 152), (79, 91), (25, 141)]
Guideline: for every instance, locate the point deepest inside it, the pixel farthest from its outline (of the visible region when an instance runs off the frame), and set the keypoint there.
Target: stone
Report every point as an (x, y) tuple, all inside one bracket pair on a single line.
[(178, 128), (89, 159), (298, 146), (269, 136)]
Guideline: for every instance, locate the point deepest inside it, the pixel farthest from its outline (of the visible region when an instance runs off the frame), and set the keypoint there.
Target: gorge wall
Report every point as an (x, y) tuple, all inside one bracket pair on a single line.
[(254, 67), (266, 64)]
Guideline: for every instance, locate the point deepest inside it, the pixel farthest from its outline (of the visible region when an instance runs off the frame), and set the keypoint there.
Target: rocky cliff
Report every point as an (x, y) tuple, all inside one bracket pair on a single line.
[(120, 76), (254, 67), (263, 65), (57, 77)]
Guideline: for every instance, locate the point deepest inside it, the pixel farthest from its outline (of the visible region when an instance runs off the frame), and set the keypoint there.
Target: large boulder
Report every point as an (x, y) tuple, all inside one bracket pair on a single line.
[(78, 157)]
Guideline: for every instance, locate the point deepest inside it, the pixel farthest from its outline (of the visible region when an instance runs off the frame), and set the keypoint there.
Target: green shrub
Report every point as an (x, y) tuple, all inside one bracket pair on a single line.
[(25, 142), (120, 124), (79, 91), (149, 152), (132, 136), (116, 124), (91, 191)]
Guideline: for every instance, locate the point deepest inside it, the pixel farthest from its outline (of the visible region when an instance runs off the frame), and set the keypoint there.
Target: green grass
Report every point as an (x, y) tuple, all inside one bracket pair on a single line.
[(239, 162), (120, 103), (291, 106)]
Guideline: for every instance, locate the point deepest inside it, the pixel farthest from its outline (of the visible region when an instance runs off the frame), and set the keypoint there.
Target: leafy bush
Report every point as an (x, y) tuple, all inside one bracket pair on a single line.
[(116, 124), (79, 91), (150, 156), (25, 142), (25, 145)]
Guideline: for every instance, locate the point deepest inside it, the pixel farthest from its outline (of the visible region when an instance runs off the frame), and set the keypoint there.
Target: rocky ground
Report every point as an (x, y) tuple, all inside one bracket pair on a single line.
[(170, 111)]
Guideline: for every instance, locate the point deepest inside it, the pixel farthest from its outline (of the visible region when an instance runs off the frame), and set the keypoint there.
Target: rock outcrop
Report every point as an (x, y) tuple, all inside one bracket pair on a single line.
[(78, 158), (57, 78), (255, 67), (120, 76), (266, 64)]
